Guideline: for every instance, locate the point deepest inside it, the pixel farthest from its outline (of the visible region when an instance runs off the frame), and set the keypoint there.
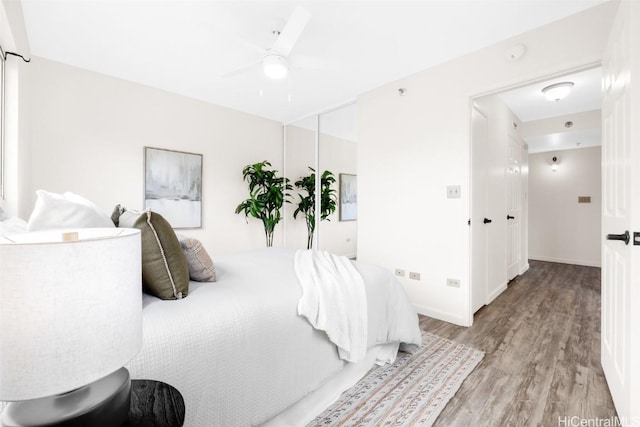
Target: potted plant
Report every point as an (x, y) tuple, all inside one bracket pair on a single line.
[(307, 203), (267, 194)]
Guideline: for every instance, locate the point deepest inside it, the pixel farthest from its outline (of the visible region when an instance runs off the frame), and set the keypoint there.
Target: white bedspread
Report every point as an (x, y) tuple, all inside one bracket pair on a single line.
[(238, 351), (334, 300)]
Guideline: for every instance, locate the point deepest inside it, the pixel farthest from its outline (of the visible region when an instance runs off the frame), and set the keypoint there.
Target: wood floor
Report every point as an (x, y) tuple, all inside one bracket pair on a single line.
[(542, 343)]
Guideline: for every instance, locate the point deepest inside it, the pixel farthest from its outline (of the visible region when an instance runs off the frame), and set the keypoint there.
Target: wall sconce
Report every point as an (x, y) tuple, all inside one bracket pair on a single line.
[(554, 163)]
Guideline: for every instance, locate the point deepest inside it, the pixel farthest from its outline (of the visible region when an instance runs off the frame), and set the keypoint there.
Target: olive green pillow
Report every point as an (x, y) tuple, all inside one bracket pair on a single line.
[(165, 272)]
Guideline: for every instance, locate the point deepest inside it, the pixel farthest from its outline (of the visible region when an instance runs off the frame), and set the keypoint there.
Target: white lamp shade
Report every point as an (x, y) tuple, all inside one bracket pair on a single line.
[(70, 312)]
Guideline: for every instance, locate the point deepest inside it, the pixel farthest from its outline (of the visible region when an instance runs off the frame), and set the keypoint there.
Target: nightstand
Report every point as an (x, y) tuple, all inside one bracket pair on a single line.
[(155, 404)]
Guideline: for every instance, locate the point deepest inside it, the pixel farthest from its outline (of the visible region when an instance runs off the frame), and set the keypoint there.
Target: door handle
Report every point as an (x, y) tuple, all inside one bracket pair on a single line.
[(487, 221), (510, 217), (623, 237)]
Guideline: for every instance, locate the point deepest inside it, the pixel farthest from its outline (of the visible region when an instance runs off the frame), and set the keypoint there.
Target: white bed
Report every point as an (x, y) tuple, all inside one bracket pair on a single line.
[(240, 354)]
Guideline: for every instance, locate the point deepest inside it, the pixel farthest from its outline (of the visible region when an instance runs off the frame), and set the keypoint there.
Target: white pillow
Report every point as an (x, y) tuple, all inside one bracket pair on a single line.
[(68, 210)]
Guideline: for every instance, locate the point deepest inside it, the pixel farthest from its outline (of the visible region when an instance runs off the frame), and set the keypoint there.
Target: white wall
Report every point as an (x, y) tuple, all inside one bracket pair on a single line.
[(560, 228), (411, 147), (87, 133)]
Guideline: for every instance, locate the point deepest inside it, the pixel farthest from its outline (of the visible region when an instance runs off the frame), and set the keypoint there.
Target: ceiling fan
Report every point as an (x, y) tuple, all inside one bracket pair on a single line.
[(274, 61)]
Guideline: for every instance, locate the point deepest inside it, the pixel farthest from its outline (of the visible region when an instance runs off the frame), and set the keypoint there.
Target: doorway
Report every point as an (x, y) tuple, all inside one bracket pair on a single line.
[(563, 193), (536, 208)]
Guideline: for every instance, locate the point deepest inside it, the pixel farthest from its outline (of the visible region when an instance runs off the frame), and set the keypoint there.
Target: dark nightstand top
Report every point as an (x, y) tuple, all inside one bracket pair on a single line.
[(155, 404)]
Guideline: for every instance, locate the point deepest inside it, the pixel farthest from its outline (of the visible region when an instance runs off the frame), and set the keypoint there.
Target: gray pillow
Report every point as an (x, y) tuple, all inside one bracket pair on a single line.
[(165, 272), (201, 268), (115, 215)]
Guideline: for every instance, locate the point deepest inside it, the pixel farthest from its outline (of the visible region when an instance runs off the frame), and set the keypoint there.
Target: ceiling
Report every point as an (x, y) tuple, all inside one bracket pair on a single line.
[(347, 47), (529, 104)]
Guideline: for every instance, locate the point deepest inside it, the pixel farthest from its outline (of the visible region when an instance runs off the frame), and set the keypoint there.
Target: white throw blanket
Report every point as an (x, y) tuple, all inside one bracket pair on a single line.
[(334, 300)]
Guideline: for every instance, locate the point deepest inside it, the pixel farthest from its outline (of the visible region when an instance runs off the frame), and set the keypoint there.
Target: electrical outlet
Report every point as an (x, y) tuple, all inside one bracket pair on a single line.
[(399, 272), (453, 192), (414, 276), (454, 283)]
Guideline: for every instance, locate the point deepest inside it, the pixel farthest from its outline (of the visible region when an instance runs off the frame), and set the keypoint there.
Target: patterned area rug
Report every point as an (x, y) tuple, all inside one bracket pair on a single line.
[(411, 392)]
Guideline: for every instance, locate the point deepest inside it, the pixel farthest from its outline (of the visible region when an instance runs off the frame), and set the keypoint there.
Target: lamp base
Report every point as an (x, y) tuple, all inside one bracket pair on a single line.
[(103, 403)]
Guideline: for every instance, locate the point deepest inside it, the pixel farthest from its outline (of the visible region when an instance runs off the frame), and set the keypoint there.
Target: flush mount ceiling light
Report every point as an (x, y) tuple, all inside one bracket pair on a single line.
[(557, 91), (275, 66)]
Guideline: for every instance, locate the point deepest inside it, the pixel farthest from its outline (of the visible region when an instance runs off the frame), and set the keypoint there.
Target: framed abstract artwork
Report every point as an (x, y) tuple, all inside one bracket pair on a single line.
[(348, 197), (173, 186)]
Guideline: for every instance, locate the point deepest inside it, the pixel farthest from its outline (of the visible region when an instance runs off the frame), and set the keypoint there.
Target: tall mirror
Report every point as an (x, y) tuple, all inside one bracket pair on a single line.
[(299, 156), (328, 143), (338, 156)]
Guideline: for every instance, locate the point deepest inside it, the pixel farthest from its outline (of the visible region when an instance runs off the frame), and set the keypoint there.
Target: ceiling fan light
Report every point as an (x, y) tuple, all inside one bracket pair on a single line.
[(275, 66), (557, 91)]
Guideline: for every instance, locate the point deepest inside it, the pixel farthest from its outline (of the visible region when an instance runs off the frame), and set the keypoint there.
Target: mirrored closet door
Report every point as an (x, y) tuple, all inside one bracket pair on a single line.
[(326, 142), (300, 141), (338, 152)]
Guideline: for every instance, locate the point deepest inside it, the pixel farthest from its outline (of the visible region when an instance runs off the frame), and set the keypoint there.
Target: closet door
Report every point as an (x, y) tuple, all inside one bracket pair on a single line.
[(299, 156), (338, 147), (514, 207)]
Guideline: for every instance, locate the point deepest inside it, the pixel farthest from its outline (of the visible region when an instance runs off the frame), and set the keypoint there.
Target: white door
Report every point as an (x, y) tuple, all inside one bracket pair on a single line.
[(621, 213), (496, 205), (514, 207), (479, 140)]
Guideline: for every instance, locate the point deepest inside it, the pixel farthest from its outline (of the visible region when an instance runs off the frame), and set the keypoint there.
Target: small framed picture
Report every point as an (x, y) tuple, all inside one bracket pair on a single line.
[(173, 186), (348, 197)]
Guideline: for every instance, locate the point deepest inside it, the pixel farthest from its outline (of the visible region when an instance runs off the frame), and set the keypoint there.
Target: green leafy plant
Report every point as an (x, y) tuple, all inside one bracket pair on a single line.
[(307, 203), (267, 194)]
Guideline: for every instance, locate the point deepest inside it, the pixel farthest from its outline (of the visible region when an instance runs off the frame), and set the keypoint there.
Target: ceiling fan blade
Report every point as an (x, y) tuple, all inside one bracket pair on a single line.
[(291, 31), (240, 70)]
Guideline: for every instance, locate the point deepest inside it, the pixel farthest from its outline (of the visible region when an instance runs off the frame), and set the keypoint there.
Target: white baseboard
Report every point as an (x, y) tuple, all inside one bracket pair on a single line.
[(497, 291), (441, 315), (566, 261), (524, 269)]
